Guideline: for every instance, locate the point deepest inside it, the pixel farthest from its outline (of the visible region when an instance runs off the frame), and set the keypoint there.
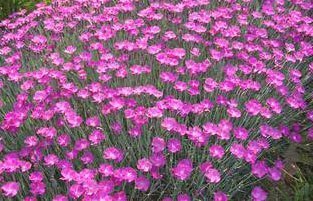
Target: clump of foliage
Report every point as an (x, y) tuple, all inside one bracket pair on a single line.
[(7, 7)]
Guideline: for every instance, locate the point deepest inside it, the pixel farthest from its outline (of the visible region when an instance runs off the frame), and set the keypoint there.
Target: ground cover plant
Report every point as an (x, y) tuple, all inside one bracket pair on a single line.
[(153, 100)]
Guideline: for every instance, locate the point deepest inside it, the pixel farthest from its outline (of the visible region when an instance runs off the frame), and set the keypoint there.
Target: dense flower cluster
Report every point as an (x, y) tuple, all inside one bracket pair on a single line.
[(152, 100)]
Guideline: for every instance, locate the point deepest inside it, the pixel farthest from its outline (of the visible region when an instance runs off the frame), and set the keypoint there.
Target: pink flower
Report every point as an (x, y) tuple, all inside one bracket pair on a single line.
[(51, 159), (39, 39), (10, 189), (76, 191), (174, 145), (158, 159), (31, 141), (144, 165), (154, 112), (142, 183), (70, 49), (96, 137), (93, 121), (155, 173), (274, 173), (259, 169), (87, 157), (258, 194), (36, 176), (37, 188), (253, 107), (47, 132), (212, 175), (169, 124), (129, 174), (183, 169), (234, 112), (117, 128), (220, 196), (119, 196), (59, 198), (238, 150), (63, 140), (81, 144), (106, 170), (241, 133), (68, 174), (205, 166), (158, 144), (183, 197), (30, 198), (217, 151), (113, 153)]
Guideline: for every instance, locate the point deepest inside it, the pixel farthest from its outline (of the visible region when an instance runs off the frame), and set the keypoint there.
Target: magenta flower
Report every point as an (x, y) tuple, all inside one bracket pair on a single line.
[(238, 150), (113, 153), (37, 188), (183, 169), (158, 159), (274, 173), (10, 189), (158, 144), (87, 157), (128, 174), (31, 141), (241, 133), (106, 170), (253, 107), (174, 145), (68, 174), (48, 132), (96, 137), (258, 194), (259, 169), (51, 159), (217, 151), (93, 121), (144, 165), (154, 112), (81, 144), (142, 183), (36, 176), (70, 49), (63, 140), (183, 197), (76, 191), (220, 196), (60, 198), (212, 175)]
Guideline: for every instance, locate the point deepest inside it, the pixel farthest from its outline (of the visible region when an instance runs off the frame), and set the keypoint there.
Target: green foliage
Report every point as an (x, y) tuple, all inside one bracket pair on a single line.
[(7, 7), (297, 182)]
